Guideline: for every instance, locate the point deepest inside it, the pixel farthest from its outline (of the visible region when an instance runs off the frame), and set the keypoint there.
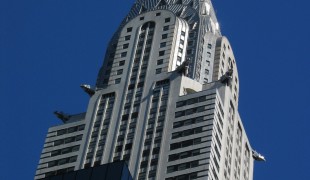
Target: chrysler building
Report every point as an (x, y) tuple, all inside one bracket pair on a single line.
[(165, 102)]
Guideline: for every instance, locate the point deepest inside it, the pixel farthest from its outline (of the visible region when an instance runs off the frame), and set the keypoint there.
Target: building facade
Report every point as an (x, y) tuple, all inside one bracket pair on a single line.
[(115, 170), (165, 101)]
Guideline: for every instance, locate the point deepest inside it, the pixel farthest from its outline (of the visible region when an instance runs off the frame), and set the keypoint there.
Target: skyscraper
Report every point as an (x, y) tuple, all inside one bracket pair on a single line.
[(165, 101)]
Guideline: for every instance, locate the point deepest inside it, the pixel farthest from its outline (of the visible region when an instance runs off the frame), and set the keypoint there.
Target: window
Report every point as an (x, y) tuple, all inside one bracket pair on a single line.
[(117, 81), (190, 43), (209, 46), (147, 50), (158, 14), (179, 59), (120, 71), (207, 63), (165, 28), (139, 51), (208, 54), (161, 53), (127, 38), (164, 36), (192, 34), (183, 33), (121, 63), (128, 146), (180, 167), (123, 54), (163, 44), (158, 71), (181, 41), (180, 50), (160, 61), (125, 46), (167, 20), (149, 41), (141, 18), (129, 29), (206, 71)]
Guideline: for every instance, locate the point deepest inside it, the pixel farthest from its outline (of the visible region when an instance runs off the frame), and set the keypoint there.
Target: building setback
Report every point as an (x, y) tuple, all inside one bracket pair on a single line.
[(165, 102)]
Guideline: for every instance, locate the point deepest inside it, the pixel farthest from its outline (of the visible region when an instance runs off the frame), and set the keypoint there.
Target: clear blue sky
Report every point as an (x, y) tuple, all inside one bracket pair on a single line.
[(49, 47)]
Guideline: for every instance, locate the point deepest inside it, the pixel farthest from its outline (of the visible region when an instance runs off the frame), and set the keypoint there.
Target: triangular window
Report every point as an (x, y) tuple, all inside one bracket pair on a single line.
[(161, 3), (178, 2)]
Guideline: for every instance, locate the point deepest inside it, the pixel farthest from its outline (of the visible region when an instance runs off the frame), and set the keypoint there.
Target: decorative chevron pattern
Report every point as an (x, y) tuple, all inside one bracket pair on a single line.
[(184, 8)]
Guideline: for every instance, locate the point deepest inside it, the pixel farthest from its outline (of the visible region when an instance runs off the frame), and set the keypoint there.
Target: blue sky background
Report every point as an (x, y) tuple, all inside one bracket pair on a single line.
[(49, 47)]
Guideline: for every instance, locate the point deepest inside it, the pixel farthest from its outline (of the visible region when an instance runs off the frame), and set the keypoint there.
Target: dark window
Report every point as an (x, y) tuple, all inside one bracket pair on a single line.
[(128, 146), (160, 61), (139, 51), (185, 143), (120, 71), (146, 153), (161, 53), (118, 148), (125, 117), (149, 41), (209, 46), (167, 20), (192, 34), (129, 29), (141, 84), (147, 50), (163, 44), (123, 54), (180, 50), (186, 132), (164, 36), (158, 71), (121, 63), (134, 115), (158, 14), (125, 46), (141, 18), (183, 33), (179, 59), (117, 81), (165, 28), (127, 38), (140, 44)]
